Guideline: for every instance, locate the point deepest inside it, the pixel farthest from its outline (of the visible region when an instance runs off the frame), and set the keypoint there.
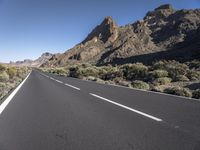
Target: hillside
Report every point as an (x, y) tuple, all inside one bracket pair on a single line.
[(163, 33), (34, 63)]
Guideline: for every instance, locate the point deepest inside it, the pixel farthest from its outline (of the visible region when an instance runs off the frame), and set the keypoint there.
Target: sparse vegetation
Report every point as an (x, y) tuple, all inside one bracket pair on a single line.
[(135, 71), (196, 94), (182, 78), (162, 76), (10, 77), (12, 72), (140, 85), (4, 77), (162, 81), (178, 91), (159, 73)]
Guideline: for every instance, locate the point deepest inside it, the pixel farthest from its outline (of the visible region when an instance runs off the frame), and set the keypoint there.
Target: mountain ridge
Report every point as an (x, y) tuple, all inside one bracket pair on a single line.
[(162, 32), (34, 63)]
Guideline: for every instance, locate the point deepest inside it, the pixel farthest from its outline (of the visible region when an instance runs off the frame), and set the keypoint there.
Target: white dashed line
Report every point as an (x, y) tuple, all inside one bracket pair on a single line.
[(128, 108), (58, 81), (72, 86), (112, 102), (62, 82)]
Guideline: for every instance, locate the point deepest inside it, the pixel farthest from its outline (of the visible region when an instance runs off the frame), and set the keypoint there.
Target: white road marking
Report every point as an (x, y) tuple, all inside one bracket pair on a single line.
[(72, 86), (59, 81), (10, 97), (63, 83), (128, 108)]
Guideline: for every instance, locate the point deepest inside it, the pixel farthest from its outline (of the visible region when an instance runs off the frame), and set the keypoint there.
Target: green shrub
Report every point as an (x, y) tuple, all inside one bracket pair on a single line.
[(118, 79), (156, 88), (2, 68), (173, 68), (61, 71), (80, 72), (2, 85), (196, 94), (140, 85), (193, 75), (112, 73), (162, 81), (134, 71), (159, 73), (4, 77), (182, 78), (178, 91), (159, 65), (86, 65), (176, 69), (73, 71), (103, 71), (12, 72), (89, 71), (21, 72)]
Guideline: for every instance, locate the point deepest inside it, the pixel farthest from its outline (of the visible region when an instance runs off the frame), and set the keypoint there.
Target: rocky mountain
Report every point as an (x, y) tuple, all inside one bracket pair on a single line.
[(164, 33), (34, 63)]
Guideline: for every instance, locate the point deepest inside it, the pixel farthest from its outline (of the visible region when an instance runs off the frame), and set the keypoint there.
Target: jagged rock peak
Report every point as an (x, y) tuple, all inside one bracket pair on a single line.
[(160, 12), (166, 7), (109, 21), (106, 31), (46, 54)]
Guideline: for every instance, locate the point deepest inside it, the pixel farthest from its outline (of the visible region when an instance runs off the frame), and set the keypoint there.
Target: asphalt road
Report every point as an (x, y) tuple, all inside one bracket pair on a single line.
[(58, 113)]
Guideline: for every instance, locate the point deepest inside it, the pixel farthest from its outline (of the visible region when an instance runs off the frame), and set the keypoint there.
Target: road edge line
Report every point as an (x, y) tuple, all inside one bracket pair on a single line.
[(10, 97)]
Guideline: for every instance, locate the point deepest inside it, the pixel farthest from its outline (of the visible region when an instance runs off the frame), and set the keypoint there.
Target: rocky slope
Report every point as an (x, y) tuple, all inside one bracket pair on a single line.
[(163, 33), (34, 63)]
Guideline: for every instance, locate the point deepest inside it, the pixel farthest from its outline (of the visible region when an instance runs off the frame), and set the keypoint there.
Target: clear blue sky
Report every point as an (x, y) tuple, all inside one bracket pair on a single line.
[(30, 27)]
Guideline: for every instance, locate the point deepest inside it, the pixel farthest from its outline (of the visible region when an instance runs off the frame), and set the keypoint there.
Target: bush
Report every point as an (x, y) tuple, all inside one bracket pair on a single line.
[(159, 65), (80, 72), (12, 72), (156, 88), (182, 78), (103, 71), (21, 72), (159, 73), (178, 91), (140, 85), (112, 73), (60, 71), (4, 77), (176, 69), (2, 68), (73, 71), (196, 94), (193, 75), (134, 71), (118, 79), (173, 68), (162, 81), (2, 85), (89, 71)]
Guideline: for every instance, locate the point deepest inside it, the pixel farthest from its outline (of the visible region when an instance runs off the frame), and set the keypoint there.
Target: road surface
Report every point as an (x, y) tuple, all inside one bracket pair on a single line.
[(50, 112)]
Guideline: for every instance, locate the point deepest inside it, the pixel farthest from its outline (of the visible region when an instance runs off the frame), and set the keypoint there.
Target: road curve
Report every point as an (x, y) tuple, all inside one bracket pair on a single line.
[(50, 112)]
